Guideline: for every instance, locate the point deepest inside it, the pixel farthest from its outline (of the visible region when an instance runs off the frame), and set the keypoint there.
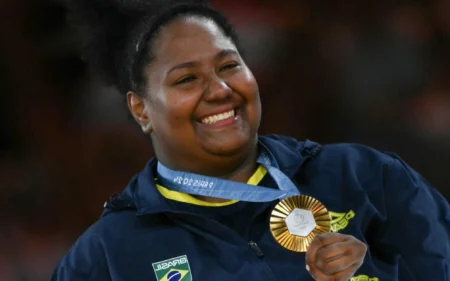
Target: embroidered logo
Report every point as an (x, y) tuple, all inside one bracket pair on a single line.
[(175, 269), (340, 221), (364, 278)]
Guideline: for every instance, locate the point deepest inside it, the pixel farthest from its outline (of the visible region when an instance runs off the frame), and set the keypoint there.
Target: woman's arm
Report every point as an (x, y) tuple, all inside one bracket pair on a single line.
[(418, 223)]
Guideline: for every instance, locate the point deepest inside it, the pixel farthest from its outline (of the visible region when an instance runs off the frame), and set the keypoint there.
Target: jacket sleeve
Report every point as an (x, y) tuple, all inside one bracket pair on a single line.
[(85, 261), (418, 224), (63, 273)]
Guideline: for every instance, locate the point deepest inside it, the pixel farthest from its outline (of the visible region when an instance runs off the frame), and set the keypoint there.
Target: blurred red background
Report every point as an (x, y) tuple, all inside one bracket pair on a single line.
[(371, 72)]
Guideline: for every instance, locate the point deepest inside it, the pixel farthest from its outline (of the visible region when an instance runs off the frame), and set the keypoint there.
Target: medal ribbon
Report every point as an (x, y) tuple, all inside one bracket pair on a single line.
[(195, 184)]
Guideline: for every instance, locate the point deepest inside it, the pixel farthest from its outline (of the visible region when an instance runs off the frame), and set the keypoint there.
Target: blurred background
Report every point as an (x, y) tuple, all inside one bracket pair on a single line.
[(375, 72)]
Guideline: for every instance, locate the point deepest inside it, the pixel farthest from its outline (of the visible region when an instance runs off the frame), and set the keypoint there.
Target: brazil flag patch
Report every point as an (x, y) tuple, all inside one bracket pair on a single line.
[(174, 269)]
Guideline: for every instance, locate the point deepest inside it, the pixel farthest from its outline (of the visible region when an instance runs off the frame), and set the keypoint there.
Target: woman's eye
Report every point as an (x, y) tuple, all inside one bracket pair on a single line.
[(229, 66), (185, 80)]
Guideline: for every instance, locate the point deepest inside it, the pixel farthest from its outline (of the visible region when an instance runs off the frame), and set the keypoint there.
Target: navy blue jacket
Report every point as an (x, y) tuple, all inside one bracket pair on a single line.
[(373, 196)]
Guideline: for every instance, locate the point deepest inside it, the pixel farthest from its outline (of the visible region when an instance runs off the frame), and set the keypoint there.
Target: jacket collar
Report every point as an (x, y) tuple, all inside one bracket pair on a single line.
[(141, 191)]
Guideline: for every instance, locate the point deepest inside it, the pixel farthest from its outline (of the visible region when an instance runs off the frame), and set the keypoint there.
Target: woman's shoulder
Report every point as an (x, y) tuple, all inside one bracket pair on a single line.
[(113, 233), (360, 163), (374, 171), (119, 226), (332, 153), (357, 153)]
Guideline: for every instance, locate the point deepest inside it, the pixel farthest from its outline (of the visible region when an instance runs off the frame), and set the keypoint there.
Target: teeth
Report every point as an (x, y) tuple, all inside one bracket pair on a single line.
[(218, 117)]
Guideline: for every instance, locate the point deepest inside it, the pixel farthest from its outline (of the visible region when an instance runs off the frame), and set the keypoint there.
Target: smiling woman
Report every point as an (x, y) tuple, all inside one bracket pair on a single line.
[(219, 202), (196, 77)]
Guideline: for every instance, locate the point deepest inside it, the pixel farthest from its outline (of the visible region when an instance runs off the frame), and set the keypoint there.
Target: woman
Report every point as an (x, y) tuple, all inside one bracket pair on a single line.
[(187, 215)]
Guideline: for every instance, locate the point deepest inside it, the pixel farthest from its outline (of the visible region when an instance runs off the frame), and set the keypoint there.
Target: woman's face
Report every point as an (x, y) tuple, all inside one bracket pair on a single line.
[(202, 101)]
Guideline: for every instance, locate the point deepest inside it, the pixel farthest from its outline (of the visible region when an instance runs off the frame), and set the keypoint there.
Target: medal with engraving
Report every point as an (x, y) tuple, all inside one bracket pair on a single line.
[(297, 220)]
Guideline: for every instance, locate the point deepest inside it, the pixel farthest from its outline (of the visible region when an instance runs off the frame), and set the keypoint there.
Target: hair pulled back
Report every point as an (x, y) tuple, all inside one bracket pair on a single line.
[(117, 35)]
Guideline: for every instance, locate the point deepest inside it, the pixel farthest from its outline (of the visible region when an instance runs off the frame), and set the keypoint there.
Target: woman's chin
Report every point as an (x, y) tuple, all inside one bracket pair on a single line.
[(228, 146)]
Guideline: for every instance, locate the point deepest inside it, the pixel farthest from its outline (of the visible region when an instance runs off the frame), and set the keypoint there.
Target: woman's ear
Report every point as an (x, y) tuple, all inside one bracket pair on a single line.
[(140, 112)]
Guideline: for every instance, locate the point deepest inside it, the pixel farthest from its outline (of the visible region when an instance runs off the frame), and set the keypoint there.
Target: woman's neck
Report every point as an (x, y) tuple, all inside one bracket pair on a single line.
[(241, 174), (238, 169)]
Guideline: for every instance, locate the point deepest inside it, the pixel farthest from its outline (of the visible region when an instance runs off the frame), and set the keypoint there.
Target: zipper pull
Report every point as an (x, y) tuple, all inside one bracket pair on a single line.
[(256, 249)]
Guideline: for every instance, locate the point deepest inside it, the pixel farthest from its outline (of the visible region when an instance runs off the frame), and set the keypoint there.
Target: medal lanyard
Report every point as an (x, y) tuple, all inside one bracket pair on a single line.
[(225, 189)]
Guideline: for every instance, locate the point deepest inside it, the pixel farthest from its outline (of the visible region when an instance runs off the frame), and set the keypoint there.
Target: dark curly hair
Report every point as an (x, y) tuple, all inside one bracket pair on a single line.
[(117, 35)]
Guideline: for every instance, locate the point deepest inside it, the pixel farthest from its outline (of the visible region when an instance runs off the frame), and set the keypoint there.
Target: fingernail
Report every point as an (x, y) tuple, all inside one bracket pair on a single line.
[(307, 267)]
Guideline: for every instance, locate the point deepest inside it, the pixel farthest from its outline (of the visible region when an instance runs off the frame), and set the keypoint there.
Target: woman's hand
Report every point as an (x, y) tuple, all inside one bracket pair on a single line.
[(334, 257)]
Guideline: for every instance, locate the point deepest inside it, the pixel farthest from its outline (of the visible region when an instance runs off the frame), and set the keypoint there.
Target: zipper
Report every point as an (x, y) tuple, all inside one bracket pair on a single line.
[(252, 244), (259, 256), (256, 249)]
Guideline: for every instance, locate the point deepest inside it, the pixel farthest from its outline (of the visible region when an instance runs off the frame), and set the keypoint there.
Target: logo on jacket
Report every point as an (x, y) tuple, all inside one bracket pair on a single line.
[(364, 278), (175, 269), (340, 221)]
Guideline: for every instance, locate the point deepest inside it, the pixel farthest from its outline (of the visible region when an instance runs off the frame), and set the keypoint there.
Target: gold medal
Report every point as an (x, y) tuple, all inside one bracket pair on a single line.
[(296, 220)]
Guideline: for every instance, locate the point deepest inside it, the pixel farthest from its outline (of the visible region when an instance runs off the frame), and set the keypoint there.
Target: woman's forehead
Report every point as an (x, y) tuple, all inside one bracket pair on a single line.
[(188, 37)]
